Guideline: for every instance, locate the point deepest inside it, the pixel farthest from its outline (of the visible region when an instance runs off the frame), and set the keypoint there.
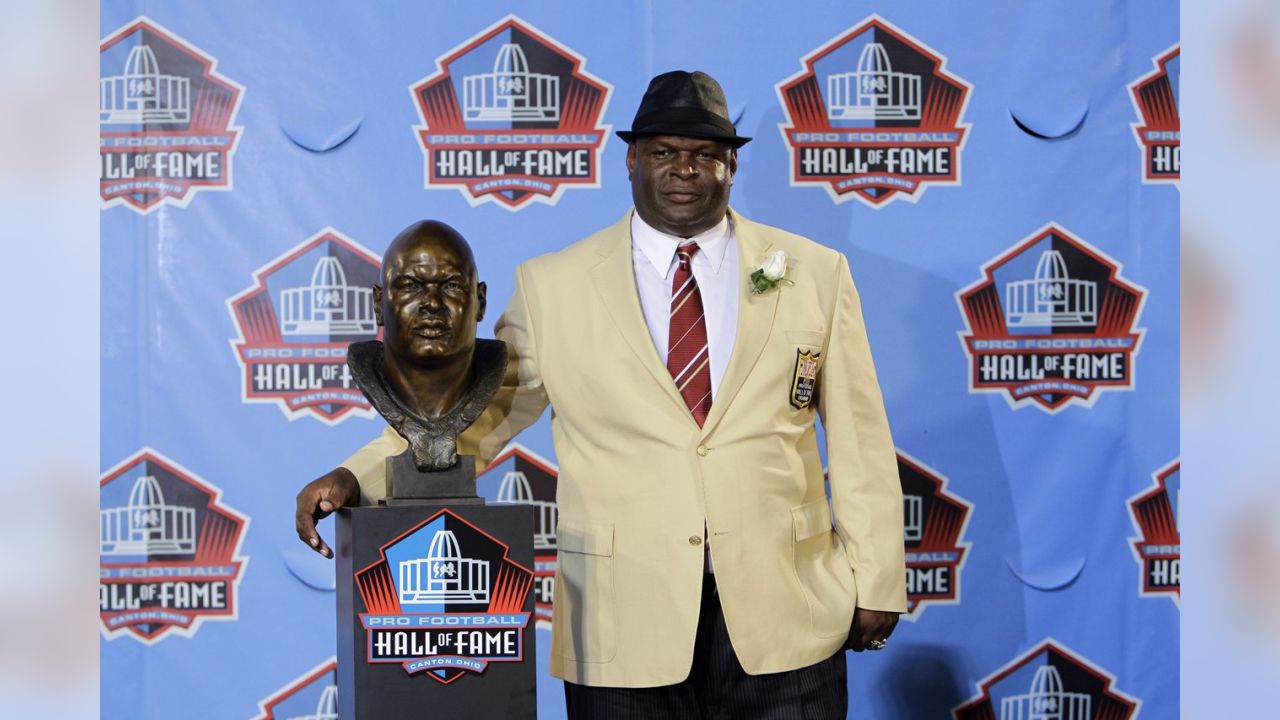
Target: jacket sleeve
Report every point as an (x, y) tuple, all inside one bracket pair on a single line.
[(517, 404), (523, 398), (861, 460), (368, 465)]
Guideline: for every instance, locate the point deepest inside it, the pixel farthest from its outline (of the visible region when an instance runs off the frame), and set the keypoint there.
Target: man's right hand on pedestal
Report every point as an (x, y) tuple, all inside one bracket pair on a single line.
[(320, 498)]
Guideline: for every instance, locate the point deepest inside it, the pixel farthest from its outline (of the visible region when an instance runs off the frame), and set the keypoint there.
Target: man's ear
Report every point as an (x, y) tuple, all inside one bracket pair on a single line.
[(377, 304), (480, 299), (631, 159), (733, 163)]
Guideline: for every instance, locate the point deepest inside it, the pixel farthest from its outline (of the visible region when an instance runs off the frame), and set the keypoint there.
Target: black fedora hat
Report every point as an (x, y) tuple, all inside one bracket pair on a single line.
[(688, 104)]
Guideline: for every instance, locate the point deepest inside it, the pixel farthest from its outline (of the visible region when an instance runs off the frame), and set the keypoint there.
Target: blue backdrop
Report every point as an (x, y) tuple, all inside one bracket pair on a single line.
[(1002, 176)]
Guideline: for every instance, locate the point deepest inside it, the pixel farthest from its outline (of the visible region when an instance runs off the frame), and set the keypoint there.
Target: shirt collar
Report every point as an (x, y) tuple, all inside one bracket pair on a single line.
[(660, 248)]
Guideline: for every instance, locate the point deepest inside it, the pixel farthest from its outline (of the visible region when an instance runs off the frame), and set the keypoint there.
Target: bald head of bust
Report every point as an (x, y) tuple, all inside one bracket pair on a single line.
[(431, 298)]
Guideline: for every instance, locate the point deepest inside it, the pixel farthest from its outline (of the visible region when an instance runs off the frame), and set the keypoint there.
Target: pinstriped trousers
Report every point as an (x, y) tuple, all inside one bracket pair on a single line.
[(718, 688)]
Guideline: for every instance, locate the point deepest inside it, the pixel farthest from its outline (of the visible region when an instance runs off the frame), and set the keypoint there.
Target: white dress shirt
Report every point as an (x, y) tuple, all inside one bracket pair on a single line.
[(715, 267)]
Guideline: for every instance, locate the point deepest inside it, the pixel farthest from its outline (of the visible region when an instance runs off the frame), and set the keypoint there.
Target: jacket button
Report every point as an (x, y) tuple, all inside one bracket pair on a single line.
[(695, 540), (702, 450)]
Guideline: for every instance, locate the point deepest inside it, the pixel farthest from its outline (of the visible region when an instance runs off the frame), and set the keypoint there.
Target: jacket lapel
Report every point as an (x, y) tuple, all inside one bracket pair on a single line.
[(615, 281), (755, 319)]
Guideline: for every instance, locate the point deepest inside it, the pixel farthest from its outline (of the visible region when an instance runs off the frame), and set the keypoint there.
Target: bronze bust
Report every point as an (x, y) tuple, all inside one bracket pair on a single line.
[(430, 378)]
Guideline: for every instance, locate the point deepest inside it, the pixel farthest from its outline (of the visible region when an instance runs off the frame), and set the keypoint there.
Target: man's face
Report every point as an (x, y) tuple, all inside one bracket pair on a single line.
[(431, 302), (680, 185)]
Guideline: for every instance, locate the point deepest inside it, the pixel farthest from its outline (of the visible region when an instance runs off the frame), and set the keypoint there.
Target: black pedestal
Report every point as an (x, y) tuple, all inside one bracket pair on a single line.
[(434, 612)]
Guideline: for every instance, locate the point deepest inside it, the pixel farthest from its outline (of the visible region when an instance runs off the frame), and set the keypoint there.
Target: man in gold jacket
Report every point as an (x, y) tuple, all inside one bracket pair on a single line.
[(701, 568)]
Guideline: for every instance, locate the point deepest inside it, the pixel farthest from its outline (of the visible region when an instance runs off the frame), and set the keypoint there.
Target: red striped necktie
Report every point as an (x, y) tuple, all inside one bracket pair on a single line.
[(687, 357)]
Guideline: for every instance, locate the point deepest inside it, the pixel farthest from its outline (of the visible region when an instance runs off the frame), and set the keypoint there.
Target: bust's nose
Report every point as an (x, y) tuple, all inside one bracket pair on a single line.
[(432, 298)]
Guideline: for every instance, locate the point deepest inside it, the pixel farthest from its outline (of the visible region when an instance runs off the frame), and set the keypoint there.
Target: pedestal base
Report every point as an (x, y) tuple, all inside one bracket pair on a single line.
[(407, 485)]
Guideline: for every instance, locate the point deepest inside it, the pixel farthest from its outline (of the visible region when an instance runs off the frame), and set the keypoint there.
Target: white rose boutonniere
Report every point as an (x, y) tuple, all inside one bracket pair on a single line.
[(770, 273)]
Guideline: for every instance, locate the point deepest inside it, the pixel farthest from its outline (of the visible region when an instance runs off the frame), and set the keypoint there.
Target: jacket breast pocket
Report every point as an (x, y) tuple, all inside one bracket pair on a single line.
[(584, 592), (810, 339), (822, 570)]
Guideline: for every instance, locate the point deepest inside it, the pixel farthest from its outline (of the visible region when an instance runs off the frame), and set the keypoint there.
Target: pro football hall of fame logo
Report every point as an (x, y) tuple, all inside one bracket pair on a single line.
[(519, 475), (444, 599), (166, 117), (511, 116), (169, 550), (1051, 322), (310, 696), (295, 323), (934, 525), (873, 114), (1051, 682), (1158, 547), (1159, 129)]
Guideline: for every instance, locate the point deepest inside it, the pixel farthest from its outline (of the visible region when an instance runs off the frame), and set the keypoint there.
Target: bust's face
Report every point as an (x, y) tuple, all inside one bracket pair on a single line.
[(430, 301)]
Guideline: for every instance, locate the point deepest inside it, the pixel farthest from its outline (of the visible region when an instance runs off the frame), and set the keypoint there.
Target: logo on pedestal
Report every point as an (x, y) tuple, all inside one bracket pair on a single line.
[(511, 116), (1158, 549), (169, 550), (311, 696), (934, 522), (1051, 323), (444, 599), (1159, 131), (1051, 682), (519, 475), (873, 114), (167, 119), (295, 323)]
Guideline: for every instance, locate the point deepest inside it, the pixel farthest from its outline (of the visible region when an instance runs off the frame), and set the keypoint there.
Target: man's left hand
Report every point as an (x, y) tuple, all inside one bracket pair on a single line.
[(869, 626)]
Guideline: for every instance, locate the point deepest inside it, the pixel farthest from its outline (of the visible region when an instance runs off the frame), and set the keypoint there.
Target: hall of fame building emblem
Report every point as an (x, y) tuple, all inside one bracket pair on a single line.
[(873, 114), (934, 523), (1159, 128), (1051, 323), (166, 118), (519, 475), (511, 116), (1158, 548), (295, 323), (169, 550), (444, 600), (312, 695), (1049, 682)]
